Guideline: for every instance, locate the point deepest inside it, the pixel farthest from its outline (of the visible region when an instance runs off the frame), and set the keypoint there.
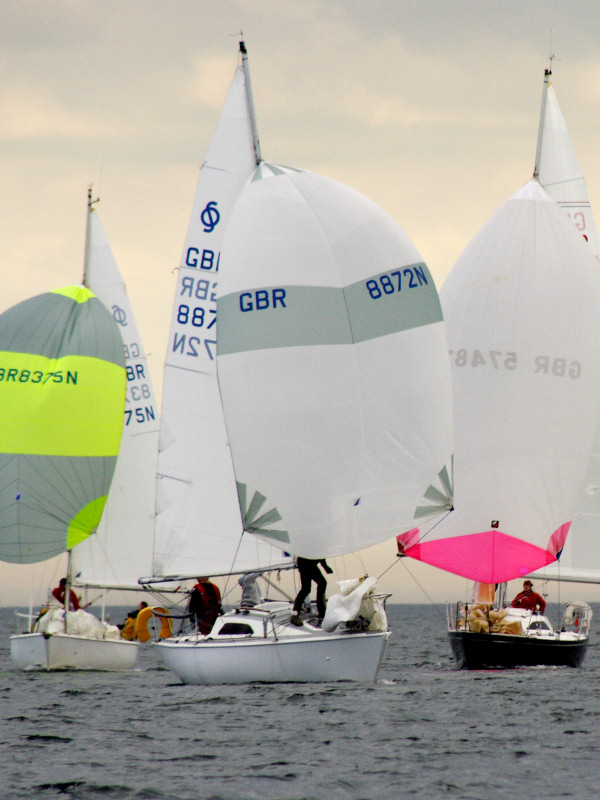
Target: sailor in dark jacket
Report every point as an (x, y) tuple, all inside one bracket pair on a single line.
[(309, 572)]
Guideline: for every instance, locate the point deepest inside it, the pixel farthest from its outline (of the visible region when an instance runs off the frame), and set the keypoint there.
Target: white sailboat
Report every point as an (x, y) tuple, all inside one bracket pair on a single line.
[(122, 546), (525, 391), (63, 393), (557, 169), (327, 316)]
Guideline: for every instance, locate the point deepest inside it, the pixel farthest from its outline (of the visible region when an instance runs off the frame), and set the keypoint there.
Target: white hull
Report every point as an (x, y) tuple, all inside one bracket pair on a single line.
[(65, 651), (275, 652), (335, 657)]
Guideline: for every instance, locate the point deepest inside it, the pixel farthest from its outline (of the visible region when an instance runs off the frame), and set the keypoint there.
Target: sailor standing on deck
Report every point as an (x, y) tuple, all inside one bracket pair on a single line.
[(205, 604), (309, 572)]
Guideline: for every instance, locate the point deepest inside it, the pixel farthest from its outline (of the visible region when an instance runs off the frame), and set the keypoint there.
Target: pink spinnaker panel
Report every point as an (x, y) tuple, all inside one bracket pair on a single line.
[(487, 557)]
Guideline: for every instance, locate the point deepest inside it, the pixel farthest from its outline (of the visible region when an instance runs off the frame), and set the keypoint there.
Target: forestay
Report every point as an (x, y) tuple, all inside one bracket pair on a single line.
[(121, 551), (521, 308), (198, 525), (62, 391), (333, 366)]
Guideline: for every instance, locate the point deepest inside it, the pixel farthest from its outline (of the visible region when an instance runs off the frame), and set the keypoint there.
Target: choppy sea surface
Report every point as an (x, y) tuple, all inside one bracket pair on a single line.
[(425, 730)]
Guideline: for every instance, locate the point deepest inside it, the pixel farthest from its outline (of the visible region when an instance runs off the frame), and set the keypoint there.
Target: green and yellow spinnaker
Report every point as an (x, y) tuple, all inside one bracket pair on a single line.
[(62, 397)]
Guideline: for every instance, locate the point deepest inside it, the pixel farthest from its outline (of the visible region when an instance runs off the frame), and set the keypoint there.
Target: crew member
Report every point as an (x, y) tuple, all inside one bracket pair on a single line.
[(528, 599), (309, 572), (205, 604), (59, 594)]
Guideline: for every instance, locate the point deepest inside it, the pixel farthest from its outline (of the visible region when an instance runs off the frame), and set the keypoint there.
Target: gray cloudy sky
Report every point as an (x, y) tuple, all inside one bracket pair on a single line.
[(429, 107)]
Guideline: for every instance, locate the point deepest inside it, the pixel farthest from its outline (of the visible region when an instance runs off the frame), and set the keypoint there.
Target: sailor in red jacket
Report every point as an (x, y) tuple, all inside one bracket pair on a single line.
[(59, 594), (205, 604), (528, 599)]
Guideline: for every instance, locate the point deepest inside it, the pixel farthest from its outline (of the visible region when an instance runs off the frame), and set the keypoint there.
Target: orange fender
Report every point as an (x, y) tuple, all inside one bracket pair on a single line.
[(143, 633)]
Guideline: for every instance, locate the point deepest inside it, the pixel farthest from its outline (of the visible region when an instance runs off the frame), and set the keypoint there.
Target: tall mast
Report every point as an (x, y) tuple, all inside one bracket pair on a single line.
[(547, 75), (244, 53)]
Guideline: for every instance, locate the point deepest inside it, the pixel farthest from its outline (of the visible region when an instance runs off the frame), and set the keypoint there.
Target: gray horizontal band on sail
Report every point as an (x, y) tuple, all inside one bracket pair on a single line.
[(41, 331), (300, 316)]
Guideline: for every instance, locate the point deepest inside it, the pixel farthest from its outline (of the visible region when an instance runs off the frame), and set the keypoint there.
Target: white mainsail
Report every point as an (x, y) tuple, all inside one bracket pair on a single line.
[(521, 309), (333, 367), (121, 550), (557, 169), (198, 523)]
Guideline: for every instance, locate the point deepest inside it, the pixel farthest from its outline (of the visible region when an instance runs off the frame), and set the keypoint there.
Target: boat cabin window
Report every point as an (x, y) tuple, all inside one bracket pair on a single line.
[(236, 629), (539, 625)]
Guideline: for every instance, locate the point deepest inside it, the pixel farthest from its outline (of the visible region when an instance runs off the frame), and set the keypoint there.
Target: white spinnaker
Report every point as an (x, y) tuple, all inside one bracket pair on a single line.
[(198, 524), (558, 171), (121, 550), (337, 391), (521, 311)]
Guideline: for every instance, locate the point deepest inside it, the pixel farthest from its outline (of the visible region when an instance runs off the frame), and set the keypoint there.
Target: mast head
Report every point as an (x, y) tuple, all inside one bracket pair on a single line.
[(91, 201)]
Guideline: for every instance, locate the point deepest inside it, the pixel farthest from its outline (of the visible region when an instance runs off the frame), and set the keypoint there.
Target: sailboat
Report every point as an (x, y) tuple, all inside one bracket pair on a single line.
[(63, 394), (121, 547), (327, 315), (525, 383), (557, 169)]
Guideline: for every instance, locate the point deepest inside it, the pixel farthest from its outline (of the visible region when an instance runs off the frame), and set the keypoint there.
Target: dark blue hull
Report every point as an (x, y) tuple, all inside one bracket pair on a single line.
[(504, 651)]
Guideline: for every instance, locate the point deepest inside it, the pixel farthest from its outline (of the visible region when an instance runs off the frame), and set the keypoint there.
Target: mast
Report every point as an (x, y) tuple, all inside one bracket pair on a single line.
[(547, 75), (88, 238), (246, 69)]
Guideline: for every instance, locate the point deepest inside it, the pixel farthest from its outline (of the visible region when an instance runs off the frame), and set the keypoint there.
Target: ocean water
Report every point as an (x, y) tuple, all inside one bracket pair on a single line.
[(425, 730)]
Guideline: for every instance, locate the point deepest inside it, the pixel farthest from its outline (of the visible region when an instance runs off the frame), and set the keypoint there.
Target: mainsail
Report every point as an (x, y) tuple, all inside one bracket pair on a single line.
[(333, 366), (62, 389), (198, 525), (521, 309), (122, 549), (557, 169)]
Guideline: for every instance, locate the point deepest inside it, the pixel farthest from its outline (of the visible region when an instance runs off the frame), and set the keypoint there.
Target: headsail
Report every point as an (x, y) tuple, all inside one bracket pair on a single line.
[(122, 549), (62, 388), (525, 379), (198, 526), (332, 365)]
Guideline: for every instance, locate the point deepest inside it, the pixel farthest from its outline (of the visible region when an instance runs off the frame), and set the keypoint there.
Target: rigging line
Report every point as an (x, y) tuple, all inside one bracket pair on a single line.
[(422, 588), (441, 519), (379, 577)]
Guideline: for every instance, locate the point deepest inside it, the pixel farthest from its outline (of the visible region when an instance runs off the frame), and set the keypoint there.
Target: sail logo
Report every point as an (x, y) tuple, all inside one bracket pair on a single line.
[(210, 217), (392, 282), (119, 315), (15, 375), (498, 359), (261, 299), (208, 259)]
